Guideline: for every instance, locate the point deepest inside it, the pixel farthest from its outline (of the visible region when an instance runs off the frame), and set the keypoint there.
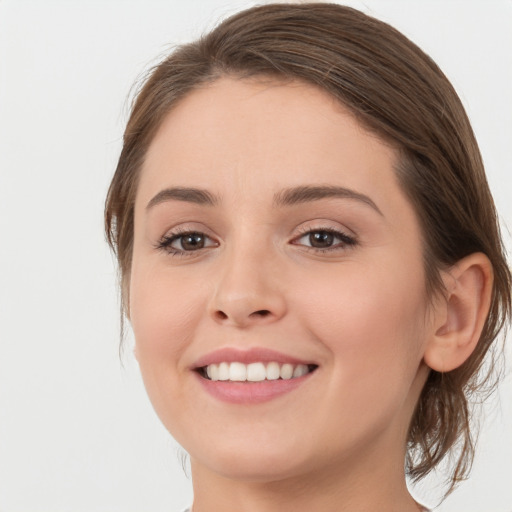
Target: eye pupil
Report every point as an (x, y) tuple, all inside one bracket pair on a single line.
[(321, 239), (192, 241)]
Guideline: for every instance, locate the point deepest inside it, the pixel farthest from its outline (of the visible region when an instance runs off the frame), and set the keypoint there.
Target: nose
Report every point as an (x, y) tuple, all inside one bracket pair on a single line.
[(247, 290)]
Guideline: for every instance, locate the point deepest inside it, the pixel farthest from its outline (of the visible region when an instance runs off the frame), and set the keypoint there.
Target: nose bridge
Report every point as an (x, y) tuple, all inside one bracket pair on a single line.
[(247, 287)]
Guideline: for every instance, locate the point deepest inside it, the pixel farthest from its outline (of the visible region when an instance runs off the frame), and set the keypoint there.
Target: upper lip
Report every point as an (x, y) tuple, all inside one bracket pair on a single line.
[(253, 355)]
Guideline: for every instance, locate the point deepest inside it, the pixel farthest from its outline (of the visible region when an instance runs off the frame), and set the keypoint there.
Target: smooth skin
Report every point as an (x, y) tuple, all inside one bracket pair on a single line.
[(356, 306)]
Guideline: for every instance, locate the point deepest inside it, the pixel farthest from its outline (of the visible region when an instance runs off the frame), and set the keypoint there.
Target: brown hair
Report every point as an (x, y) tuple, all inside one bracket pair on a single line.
[(395, 90)]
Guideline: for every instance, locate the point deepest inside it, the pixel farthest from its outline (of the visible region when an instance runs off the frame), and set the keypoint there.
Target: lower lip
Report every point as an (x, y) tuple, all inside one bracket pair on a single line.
[(251, 392)]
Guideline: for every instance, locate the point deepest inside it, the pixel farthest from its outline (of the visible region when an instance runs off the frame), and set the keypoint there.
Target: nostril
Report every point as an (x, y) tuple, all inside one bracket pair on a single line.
[(262, 312), (221, 316)]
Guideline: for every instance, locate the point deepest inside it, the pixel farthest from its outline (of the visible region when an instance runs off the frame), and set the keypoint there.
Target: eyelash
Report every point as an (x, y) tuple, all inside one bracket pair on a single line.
[(165, 243), (347, 241)]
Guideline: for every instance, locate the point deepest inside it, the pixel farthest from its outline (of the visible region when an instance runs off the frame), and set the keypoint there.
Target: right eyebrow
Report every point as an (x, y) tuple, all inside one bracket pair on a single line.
[(190, 195)]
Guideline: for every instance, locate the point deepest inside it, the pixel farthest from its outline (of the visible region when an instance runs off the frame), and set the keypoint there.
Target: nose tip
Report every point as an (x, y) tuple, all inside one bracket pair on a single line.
[(241, 313), (244, 296), (247, 282)]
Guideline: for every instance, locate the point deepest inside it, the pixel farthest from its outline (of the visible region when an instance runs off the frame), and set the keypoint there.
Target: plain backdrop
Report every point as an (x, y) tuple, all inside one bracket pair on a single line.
[(77, 432)]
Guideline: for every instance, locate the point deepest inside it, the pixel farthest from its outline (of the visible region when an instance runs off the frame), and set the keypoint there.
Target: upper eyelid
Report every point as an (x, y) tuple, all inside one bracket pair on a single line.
[(325, 227), (340, 230), (346, 238), (175, 235), (180, 231)]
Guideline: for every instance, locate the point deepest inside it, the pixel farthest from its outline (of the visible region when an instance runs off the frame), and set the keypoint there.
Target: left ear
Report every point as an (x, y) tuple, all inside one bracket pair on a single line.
[(460, 317)]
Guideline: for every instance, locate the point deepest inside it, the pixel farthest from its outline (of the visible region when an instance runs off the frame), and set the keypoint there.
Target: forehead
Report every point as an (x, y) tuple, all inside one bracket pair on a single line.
[(234, 136)]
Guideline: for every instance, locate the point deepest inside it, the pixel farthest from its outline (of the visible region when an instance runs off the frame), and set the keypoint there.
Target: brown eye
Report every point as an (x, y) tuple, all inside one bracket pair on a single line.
[(324, 240), (186, 242), (191, 241), (321, 239)]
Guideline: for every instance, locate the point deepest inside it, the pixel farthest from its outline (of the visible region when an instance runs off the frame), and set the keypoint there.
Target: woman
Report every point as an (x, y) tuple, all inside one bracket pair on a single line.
[(310, 260)]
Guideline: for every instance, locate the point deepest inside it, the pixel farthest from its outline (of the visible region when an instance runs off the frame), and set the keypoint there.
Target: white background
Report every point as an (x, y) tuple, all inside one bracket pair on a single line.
[(76, 430)]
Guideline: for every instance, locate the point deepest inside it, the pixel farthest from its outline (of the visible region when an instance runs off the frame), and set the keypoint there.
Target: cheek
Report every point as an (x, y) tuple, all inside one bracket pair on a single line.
[(370, 317), (372, 324), (164, 314), (163, 311)]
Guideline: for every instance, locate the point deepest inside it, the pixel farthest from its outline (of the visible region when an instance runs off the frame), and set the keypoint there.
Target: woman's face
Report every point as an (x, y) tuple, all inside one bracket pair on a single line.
[(270, 230)]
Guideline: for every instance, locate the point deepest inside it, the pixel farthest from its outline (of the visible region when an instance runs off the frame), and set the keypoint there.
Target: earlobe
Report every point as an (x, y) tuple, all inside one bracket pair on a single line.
[(460, 318)]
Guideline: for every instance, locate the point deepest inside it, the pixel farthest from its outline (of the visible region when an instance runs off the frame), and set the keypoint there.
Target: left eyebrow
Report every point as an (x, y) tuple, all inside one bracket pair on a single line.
[(306, 193)]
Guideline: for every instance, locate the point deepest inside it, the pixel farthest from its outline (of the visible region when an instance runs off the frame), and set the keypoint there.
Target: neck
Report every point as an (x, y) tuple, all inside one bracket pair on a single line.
[(367, 485)]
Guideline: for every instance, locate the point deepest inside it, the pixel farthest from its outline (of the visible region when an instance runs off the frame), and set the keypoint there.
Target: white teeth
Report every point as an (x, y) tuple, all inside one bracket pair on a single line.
[(255, 372), (213, 372), (237, 372), (286, 371), (223, 371), (273, 371), (300, 370)]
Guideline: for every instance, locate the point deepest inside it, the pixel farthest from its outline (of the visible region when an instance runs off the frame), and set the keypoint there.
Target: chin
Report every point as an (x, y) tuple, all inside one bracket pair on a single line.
[(253, 462)]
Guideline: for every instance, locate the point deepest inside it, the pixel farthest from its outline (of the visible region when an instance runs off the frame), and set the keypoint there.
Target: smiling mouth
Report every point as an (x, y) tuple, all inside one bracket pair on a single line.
[(254, 372)]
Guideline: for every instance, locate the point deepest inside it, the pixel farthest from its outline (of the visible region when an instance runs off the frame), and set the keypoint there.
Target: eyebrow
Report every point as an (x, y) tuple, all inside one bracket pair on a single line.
[(187, 194), (304, 194), (286, 197)]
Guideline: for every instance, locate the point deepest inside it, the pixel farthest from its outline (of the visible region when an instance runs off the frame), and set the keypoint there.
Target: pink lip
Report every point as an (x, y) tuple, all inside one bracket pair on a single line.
[(253, 355), (250, 392)]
